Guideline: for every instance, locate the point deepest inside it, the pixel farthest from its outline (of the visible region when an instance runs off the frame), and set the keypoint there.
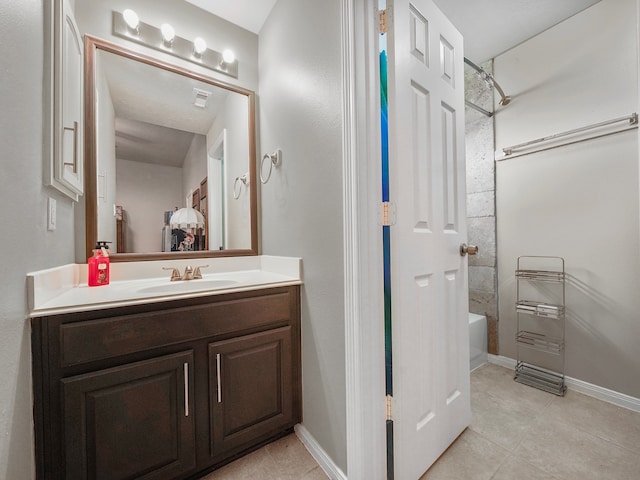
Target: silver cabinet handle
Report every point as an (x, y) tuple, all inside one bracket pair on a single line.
[(186, 389), (218, 378), (75, 146)]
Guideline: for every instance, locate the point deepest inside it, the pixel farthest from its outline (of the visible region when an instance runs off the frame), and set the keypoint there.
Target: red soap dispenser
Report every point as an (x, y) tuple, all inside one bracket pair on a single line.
[(98, 266)]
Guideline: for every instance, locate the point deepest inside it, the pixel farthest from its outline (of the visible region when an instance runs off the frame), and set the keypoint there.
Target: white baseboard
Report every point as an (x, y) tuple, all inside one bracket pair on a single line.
[(505, 362), (580, 386), (318, 453)]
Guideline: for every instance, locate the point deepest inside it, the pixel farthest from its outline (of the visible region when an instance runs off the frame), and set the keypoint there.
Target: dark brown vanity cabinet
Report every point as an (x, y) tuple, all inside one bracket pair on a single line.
[(132, 421), (250, 396), (165, 390)]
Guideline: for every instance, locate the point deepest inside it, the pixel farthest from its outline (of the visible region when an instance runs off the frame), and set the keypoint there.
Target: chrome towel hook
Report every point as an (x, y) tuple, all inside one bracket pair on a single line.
[(275, 159), (237, 185)]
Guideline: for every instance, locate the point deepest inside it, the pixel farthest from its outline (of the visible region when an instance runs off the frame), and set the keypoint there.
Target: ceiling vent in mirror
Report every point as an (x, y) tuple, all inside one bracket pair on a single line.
[(200, 97)]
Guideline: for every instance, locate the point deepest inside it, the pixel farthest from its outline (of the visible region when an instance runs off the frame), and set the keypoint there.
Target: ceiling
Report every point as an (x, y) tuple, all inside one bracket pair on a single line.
[(489, 27), (150, 131), (249, 14)]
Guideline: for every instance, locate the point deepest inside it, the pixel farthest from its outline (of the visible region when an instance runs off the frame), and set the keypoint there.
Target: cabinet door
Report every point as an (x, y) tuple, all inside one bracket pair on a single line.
[(65, 167), (70, 169), (131, 421), (250, 389)]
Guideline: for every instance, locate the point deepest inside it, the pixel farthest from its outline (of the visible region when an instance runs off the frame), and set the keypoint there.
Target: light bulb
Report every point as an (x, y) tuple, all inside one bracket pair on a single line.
[(199, 45), (228, 56), (131, 18), (168, 33)]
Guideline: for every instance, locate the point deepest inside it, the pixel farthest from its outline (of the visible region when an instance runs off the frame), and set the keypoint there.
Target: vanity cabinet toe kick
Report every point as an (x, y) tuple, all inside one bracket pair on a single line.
[(168, 390)]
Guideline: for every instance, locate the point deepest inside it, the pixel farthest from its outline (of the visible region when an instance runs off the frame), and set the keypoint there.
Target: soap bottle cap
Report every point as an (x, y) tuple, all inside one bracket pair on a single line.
[(103, 246)]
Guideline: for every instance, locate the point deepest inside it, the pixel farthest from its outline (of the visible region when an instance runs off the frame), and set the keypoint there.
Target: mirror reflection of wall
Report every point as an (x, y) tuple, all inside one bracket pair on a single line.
[(152, 156)]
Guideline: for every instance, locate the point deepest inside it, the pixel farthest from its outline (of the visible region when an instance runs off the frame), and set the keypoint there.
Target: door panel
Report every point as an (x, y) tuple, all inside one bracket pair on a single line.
[(431, 404)]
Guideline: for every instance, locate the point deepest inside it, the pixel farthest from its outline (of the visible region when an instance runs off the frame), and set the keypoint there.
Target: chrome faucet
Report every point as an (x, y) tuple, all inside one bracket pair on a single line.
[(189, 273)]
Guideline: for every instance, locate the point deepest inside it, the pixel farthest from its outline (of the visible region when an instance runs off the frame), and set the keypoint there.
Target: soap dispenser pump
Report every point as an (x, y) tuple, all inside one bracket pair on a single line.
[(98, 265)]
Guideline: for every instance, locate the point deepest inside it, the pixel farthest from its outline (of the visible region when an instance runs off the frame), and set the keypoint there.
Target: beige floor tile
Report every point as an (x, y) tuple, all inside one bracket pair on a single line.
[(315, 474), (516, 397), (471, 457), (605, 420), (258, 464), (567, 453), (514, 468), (496, 421), (292, 460)]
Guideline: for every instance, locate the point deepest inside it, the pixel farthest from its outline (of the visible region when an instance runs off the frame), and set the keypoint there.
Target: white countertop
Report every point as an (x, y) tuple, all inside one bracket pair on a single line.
[(64, 289)]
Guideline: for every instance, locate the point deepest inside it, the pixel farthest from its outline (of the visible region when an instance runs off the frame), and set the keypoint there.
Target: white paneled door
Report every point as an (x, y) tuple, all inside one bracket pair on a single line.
[(429, 295)]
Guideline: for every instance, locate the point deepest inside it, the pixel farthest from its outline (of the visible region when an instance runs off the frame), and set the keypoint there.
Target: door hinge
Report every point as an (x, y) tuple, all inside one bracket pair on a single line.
[(382, 21), (387, 214), (389, 413)]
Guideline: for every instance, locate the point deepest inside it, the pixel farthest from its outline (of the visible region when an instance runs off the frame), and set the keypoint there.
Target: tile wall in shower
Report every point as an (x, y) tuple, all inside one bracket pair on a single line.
[(481, 212)]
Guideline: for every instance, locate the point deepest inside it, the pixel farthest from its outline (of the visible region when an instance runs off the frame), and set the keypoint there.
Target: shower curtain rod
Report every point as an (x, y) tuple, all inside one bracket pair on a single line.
[(505, 99), (478, 109)]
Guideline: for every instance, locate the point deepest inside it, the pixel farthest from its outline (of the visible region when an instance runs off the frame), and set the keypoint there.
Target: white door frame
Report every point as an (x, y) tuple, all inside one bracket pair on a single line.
[(362, 247)]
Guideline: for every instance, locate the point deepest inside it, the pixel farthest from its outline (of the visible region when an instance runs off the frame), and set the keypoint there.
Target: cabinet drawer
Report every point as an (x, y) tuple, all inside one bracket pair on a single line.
[(87, 341)]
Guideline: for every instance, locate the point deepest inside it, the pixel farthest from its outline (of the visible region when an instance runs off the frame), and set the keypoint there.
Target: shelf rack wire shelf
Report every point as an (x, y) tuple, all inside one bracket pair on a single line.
[(532, 337)]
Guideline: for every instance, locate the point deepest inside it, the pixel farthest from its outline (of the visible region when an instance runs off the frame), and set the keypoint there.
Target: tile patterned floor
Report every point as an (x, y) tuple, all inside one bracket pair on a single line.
[(517, 433), (284, 459), (521, 433)]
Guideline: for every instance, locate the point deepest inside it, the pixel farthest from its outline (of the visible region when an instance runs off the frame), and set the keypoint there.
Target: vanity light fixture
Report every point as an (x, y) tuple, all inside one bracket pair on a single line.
[(199, 46), (127, 25), (228, 56), (168, 34), (131, 18)]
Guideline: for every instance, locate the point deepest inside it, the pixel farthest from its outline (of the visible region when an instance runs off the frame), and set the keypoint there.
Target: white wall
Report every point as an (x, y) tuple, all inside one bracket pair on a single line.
[(194, 167), (27, 245), (234, 117), (581, 201), (106, 148), (145, 187), (300, 111)]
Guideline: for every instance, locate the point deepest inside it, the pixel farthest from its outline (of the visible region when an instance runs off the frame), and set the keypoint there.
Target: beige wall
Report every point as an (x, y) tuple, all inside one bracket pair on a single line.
[(142, 188), (580, 201), (301, 112), (106, 148), (27, 245)]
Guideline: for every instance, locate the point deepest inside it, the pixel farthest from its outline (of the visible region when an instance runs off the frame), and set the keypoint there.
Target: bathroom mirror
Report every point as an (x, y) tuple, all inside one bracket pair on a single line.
[(159, 137)]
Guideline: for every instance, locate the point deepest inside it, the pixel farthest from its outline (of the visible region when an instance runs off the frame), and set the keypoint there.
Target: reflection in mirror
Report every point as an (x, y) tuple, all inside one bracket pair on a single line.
[(165, 138)]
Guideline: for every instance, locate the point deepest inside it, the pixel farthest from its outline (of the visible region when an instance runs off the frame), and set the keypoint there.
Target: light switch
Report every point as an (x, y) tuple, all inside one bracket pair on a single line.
[(51, 214)]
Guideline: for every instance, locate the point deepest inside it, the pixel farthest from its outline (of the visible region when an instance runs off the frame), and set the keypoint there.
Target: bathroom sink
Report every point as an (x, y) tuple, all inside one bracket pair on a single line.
[(188, 286)]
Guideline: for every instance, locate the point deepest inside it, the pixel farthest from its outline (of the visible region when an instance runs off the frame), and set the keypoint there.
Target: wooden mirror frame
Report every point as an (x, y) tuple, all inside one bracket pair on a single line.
[(91, 45)]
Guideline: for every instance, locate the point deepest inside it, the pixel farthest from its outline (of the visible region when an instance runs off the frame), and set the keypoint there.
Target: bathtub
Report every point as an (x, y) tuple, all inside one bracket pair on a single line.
[(477, 340)]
